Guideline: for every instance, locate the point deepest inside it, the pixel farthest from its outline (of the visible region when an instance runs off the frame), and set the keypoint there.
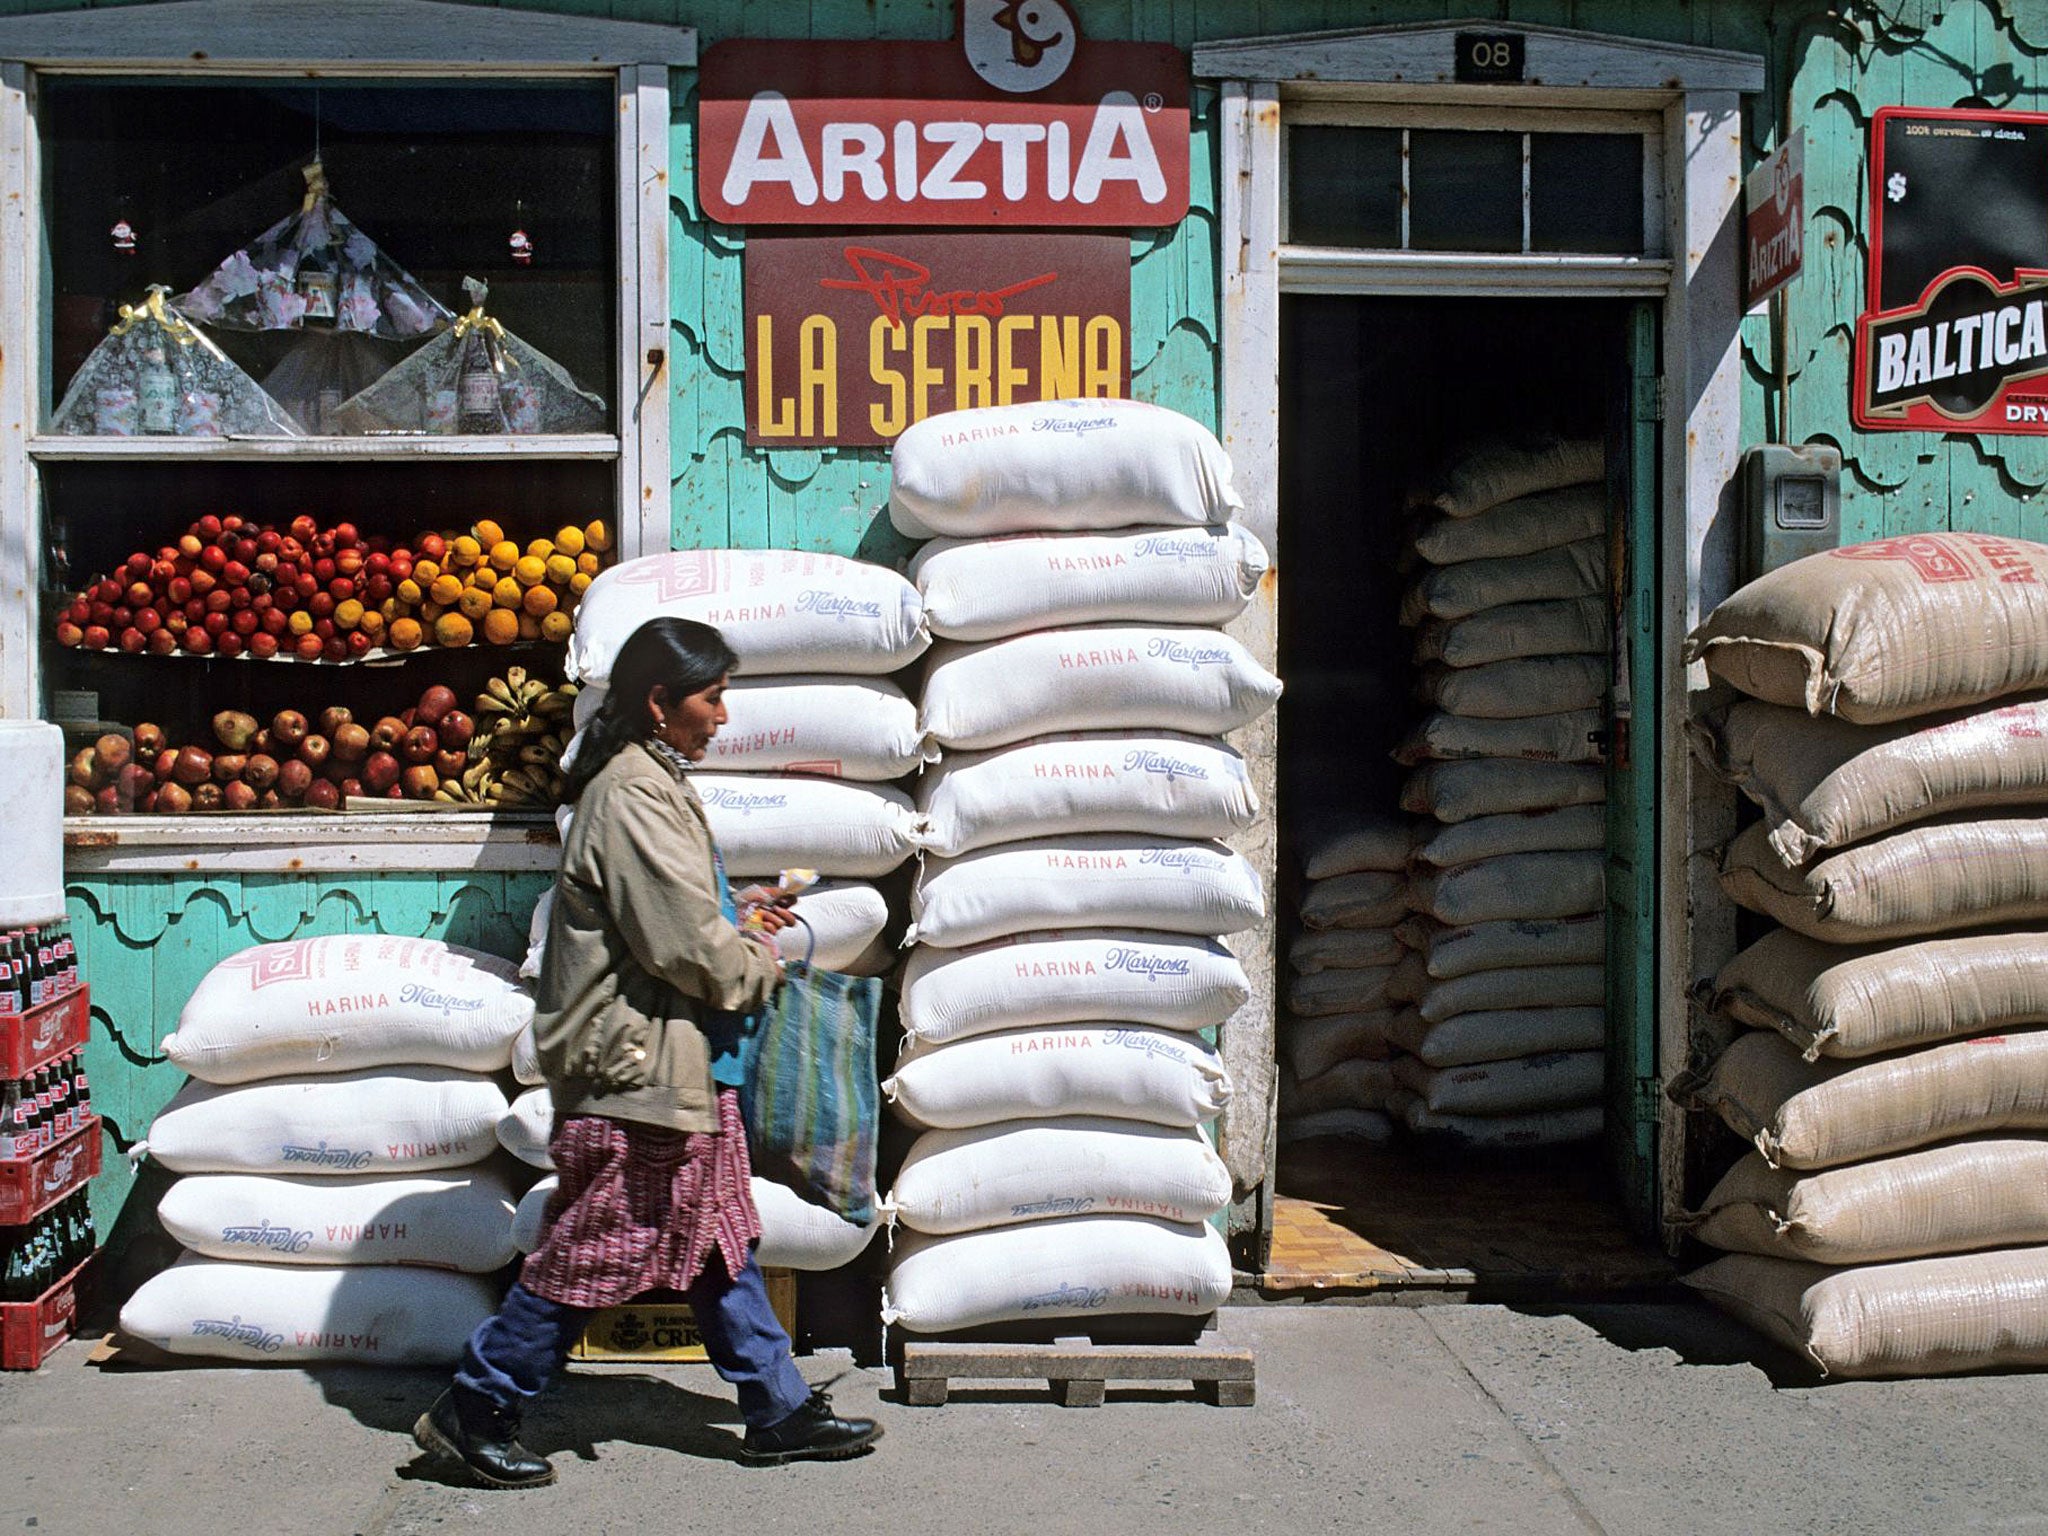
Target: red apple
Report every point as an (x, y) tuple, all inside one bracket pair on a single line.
[(335, 649), (380, 771), (197, 642), (261, 771), (96, 637), (351, 743), (436, 702), (133, 782), (323, 796), (173, 800), (162, 642), (419, 782), (133, 641), (238, 796), (350, 788), (149, 740), (288, 728), (420, 744), (228, 766), (387, 733), (84, 769), (456, 729), (206, 797), (450, 765), (165, 765), (332, 719), (246, 622), (229, 644), (78, 801), (69, 634), (293, 777), (194, 765), (358, 642), (309, 647)]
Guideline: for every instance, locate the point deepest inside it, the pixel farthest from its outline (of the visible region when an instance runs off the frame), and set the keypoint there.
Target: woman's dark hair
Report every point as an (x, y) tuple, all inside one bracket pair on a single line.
[(678, 656)]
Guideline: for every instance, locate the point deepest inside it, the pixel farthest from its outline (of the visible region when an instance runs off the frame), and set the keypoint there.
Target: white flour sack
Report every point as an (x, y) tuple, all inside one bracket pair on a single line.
[(1327, 992), (1496, 472), (345, 1002), (798, 1235), (1513, 690), (1344, 949), (1086, 1267), (460, 1220), (1118, 1070), (402, 1120), (1370, 1126), (840, 727), (842, 929), (1520, 886), (1498, 1133), (1500, 786), (1495, 945), (766, 823), (1370, 899), (1824, 783), (783, 610), (1989, 1192), (1519, 1086), (1103, 881), (1497, 1035), (1454, 591), (526, 1058), (1571, 828), (1158, 785), (1963, 1312), (1880, 631), (1351, 844), (1832, 1000), (1567, 627), (1360, 1083), (257, 1314), (983, 589), (1111, 677), (1567, 738), (1525, 526), (1522, 986), (524, 1128), (1314, 1046), (529, 1218), (1030, 1170), (1925, 879), (1171, 980), (1058, 464), (1820, 1114)]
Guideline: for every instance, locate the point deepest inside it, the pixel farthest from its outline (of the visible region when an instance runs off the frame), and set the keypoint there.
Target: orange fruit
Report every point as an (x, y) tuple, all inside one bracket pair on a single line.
[(409, 593), (348, 614), (505, 593), (569, 541), (588, 563), (555, 626), (406, 634), (300, 622), (445, 589), (540, 549), (560, 569), (424, 572), (501, 626), (538, 601), (373, 623), (531, 571), (488, 533), (504, 554), (598, 535), (475, 602), (580, 583), (452, 630), (465, 551), (430, 611)]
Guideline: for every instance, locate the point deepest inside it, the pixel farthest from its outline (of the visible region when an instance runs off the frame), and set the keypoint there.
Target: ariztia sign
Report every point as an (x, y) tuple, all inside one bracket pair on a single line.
[(1954, 337), (1019, 122)]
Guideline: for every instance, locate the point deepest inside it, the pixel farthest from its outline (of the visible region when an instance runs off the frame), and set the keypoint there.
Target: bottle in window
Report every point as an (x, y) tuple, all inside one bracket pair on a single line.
[(320, 286), (156, 390), (477, 406)]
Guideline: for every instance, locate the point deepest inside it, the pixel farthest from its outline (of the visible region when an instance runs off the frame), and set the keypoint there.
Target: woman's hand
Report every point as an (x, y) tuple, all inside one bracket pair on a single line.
[(771, 918)]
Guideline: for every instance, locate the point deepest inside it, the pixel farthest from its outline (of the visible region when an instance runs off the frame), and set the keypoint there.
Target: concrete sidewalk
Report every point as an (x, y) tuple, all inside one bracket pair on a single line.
[(1660, 1419)]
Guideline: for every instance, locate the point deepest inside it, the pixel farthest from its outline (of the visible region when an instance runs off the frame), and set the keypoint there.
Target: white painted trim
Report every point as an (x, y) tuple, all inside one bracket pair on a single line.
[(644, 517), (1316, 269), (1421, 55), (320, 37), (287, 844), (20, 394), (1336, 113), (401, 446)]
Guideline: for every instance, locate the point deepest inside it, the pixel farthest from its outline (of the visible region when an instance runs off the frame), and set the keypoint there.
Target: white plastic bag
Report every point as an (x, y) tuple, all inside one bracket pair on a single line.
[(524, 1128)]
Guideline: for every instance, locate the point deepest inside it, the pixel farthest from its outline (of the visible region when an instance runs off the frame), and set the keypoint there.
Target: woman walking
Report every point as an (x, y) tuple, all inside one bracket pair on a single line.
[(643, 990)]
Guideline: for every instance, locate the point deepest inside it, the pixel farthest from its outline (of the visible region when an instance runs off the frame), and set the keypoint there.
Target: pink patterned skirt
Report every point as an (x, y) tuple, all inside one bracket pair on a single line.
[(640, 1209)]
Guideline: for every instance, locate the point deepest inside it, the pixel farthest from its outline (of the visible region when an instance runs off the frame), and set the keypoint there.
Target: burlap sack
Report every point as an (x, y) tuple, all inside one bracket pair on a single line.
[(1567, 738), (1888, 629), (1568, 627), (1967, 1312), (1825, 783), (1469, 947), (1497, 1034), (1500, 786), (1496, 472), (1832, 1000), (1927, 879), (1821, 1114), (1524, 526), (1980, 1193), (1453, 591), (1511, 690), (1313, 1046), (1569, 828), (1522, 885)]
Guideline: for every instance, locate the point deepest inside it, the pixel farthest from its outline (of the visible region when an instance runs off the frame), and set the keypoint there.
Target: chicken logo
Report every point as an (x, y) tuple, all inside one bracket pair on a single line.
[(1018, 46)]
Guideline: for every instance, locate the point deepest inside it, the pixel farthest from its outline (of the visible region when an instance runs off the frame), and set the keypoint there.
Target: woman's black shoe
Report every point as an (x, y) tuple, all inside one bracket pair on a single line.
[(812, 1433), (489, 1447)]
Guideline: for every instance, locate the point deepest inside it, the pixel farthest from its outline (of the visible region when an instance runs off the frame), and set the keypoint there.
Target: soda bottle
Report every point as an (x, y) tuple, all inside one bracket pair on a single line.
[(60, 1099), (81, 1087), (70, 960), (14, 1273), (10, 992), (10, 1109)]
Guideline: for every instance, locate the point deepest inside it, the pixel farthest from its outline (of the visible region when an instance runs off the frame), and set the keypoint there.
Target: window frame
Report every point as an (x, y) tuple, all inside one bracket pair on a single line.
[(388, 39)]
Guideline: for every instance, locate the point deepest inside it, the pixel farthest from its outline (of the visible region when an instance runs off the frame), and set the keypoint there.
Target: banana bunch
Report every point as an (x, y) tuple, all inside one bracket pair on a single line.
[(523, 728)]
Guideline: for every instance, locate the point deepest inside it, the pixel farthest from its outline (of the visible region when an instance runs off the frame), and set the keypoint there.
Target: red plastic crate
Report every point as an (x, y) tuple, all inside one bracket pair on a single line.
[(31, 1185), (38, 1037), (30, 1330)]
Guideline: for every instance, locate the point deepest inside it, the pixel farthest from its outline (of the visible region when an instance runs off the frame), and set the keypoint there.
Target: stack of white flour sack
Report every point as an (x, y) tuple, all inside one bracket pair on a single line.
[(1337, 1027), (343, 1195), (1069, 910), (1886, 715), (1502, 1027)]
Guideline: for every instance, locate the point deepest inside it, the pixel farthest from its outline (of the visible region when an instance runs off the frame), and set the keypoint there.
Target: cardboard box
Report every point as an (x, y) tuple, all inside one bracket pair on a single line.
[(660, 1326)]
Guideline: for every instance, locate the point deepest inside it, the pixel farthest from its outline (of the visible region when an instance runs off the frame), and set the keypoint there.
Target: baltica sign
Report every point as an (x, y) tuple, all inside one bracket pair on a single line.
[(1019, 122)]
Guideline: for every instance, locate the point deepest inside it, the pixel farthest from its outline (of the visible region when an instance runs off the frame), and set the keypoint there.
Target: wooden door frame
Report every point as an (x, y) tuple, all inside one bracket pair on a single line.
[(1698, 93)]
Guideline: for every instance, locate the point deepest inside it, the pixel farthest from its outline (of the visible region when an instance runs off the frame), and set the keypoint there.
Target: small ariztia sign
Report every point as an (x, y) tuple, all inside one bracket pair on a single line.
[(852, 338), (1954, 337), (1019, 121)]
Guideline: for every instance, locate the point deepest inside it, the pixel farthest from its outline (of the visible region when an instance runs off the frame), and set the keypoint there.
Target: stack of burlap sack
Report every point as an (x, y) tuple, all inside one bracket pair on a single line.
[(1336, 1026), (1072, 897), (1893, 1219), (1502, 1030), (344, 1197)]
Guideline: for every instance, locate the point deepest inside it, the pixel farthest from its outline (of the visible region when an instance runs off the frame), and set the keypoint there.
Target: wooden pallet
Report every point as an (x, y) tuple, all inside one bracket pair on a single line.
[(1078, 1370)]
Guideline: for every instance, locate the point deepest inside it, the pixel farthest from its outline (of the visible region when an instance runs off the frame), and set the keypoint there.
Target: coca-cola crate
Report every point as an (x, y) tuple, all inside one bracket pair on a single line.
[(30, 1330), (38, 1037), (29, 1186)]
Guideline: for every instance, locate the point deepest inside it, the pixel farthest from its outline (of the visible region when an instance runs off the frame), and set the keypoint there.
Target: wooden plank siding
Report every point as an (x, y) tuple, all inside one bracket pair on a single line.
[(147, 940)]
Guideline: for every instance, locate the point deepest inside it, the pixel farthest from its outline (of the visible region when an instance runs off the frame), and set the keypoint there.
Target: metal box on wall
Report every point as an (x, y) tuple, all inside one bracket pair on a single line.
[(1791, 504)]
